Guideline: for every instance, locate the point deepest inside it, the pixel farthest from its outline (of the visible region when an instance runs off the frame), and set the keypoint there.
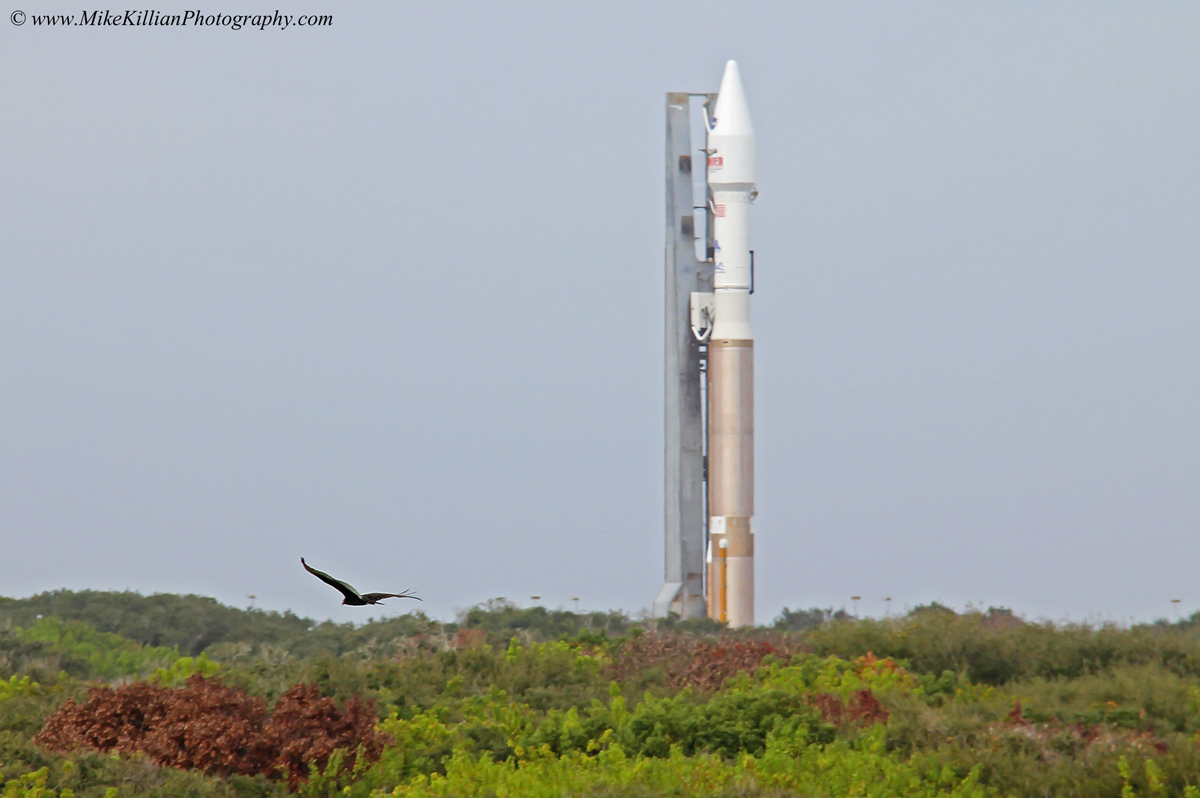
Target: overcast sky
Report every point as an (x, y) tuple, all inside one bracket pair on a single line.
[(388, 295)]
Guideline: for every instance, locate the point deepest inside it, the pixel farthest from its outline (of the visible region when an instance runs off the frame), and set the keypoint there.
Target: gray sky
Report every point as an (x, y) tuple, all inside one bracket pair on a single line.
[(389, 295)]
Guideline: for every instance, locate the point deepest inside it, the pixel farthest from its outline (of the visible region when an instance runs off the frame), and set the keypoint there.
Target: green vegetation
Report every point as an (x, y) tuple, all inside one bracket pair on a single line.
[(187, 623), (194, 624), (513, 702)]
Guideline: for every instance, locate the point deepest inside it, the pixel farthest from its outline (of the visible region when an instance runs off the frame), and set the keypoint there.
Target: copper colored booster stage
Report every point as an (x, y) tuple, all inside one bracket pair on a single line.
[(731, 179)]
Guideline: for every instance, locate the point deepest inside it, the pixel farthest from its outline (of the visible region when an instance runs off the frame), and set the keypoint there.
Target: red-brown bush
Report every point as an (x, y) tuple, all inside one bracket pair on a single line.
[(307, 727), (214, 728), (470, 638), (700, 664), (863, 707)]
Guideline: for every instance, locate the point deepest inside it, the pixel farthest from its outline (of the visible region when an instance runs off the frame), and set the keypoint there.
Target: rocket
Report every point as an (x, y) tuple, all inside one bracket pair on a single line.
[(731, 181)]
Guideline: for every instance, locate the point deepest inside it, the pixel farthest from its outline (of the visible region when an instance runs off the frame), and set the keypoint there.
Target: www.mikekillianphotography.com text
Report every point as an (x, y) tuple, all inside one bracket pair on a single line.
[(157, 19)]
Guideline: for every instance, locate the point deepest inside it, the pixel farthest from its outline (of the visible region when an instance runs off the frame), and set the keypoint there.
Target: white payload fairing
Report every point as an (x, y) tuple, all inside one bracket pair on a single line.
[(731, 179)]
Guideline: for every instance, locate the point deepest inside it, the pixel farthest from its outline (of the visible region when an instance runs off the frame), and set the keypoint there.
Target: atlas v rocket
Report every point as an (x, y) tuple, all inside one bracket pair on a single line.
[(731, 160), (710, 365)]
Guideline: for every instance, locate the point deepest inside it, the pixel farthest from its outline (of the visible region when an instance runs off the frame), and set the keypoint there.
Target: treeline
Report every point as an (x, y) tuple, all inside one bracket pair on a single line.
[(991, 647), (188, 623), (194, 624)]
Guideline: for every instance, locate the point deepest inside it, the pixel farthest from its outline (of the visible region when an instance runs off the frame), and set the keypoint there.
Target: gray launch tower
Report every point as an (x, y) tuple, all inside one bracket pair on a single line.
[(688, 321)]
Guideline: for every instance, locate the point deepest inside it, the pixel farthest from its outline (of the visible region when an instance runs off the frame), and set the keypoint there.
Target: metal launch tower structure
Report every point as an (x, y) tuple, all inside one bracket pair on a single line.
[(709, 361)]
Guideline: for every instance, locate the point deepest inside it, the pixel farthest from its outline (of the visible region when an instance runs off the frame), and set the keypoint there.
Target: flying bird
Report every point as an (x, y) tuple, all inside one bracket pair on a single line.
[(352, 596)]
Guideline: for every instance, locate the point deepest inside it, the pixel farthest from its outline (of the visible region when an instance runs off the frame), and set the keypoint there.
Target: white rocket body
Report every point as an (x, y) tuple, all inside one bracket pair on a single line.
[(731, 178)]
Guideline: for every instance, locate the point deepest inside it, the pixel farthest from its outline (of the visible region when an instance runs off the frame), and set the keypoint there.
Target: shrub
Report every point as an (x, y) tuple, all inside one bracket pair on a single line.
[(996, 648), (307, 729), (217, 729), (704, 664)]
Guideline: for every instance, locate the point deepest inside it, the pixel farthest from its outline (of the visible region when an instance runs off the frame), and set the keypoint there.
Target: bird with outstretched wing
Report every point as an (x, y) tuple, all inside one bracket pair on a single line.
[(352, 596)]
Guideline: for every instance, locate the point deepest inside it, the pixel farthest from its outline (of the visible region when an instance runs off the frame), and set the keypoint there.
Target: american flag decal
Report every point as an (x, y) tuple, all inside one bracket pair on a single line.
[(719, 211)]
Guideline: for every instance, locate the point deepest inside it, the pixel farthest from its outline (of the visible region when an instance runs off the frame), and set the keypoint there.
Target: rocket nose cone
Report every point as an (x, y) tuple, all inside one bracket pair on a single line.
[(732, 114)]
